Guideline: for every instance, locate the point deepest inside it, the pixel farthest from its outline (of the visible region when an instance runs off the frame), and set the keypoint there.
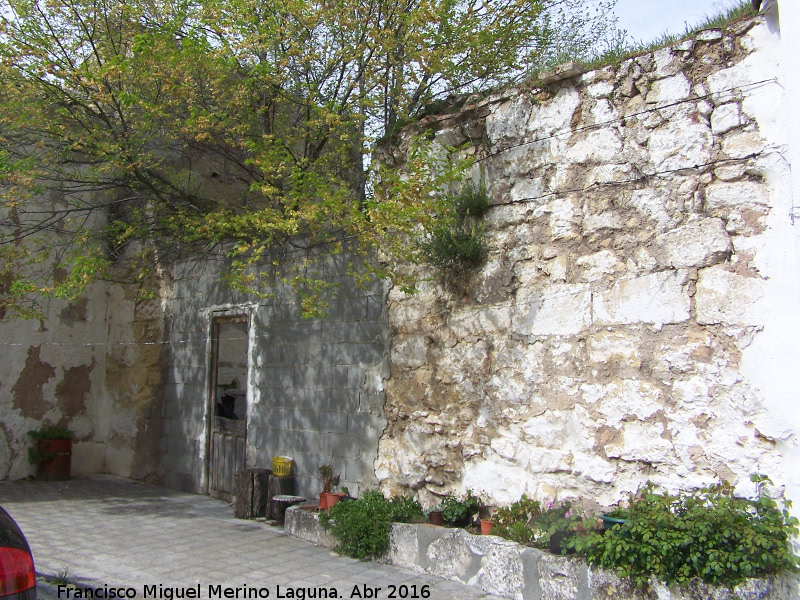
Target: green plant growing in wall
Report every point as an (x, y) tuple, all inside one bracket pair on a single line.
[(456, 243)]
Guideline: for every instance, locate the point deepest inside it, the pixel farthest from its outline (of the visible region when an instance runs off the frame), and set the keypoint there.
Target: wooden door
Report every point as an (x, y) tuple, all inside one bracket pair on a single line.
[(228, 404)]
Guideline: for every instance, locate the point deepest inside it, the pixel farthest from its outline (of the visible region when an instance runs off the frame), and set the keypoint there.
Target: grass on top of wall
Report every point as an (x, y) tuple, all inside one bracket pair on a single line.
[(625, 50)]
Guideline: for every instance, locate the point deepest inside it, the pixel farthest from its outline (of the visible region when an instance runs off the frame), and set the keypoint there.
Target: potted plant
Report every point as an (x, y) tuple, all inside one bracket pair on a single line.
[(559, 523), (52, 453), (486, 515), (329, 480), (459, 513), (435, 515)]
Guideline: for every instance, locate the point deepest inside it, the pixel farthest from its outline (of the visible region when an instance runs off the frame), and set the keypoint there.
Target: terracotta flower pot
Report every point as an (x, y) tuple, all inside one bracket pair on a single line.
[(58, 467), (328, 499), (435, 517), (486, 527), (333, 498)]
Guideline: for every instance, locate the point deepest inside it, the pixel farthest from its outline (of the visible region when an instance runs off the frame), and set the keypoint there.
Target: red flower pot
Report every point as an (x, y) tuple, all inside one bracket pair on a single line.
[(435, 517), (486, 527), (57, 466)]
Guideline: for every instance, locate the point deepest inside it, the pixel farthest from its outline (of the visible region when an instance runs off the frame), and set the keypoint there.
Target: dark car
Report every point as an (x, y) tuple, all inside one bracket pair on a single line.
[(17, 576)]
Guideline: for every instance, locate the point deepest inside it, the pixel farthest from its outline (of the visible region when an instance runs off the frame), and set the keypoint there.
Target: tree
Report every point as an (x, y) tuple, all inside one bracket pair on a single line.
[(109, 107)]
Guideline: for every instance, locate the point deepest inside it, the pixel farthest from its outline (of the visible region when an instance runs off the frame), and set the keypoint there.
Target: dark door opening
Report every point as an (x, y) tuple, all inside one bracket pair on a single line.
[(228, 404)]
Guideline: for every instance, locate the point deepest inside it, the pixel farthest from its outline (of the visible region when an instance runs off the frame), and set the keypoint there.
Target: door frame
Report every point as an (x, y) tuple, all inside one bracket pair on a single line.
[(212, 316)]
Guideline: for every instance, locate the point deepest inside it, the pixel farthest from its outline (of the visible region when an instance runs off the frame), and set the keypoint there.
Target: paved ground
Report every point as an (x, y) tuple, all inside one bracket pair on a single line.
[(107, 531)]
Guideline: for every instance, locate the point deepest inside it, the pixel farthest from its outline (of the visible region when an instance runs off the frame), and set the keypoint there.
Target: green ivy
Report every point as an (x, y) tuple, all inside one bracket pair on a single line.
[(711, 534), (362, 526)]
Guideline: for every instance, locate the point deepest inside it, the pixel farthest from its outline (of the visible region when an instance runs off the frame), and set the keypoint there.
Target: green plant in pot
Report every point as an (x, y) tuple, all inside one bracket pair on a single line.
[(329, 479), (52, 453), (459, 513)]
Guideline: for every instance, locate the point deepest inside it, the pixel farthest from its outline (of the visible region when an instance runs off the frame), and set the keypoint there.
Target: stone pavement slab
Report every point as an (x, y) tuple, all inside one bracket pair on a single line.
[(107, 532)]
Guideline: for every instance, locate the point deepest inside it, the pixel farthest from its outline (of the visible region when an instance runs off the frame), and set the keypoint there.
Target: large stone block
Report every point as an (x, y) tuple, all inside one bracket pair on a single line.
[(614, 347), (657, 298), (670, 89), (684, 142), (408, 351), (596, 265), (559, 577), (698, 243), (725, 297), (601, 146), (721, 197), (562, 309), (452, 558)]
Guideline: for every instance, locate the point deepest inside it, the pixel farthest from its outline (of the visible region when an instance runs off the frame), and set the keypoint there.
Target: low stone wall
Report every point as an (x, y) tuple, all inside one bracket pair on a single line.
[(505, 568)]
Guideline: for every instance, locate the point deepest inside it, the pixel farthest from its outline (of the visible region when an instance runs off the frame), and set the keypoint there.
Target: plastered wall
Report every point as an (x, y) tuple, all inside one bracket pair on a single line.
[(93, 366), (314, 386)]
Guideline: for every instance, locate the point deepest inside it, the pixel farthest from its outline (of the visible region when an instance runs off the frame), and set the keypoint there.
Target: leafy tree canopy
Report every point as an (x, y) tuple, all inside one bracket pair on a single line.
[(133, 132)]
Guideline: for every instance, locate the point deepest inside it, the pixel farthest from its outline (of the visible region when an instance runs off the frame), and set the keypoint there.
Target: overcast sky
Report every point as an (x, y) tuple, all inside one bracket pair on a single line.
[(646, 20)]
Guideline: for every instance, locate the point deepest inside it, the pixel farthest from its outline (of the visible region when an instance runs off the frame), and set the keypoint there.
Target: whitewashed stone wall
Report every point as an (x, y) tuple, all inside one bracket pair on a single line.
[(642, 263)]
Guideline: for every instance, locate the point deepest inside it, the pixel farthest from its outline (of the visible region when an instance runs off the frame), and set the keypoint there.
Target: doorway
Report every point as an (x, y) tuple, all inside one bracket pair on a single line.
[(228, 403)]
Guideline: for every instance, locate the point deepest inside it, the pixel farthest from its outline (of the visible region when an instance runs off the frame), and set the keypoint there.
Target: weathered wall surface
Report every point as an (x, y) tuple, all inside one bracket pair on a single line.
[(93, 366), (314, 386), (640, 252)]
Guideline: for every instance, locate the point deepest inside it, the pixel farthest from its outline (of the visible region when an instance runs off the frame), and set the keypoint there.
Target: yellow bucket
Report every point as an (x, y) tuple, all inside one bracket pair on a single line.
[(282, 465)]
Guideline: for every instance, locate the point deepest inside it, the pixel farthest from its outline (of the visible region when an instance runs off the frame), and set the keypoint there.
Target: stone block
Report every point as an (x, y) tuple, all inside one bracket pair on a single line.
[(304, 524), (501, 571), (670, 89), (725, 117), (561, 309), (470, 325), (698, 243), (452, 558), (404, 546), (742, 144), (601, 146), (605, 585), (559, 577), (683, 142), (724, 196), (560, 72), (609, 347), (725, 297), (642, 441), (657, 298), (666, 63), (597, 265)]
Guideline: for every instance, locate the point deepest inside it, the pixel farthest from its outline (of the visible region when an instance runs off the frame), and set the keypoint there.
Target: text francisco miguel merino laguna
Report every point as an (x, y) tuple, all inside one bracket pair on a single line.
[(243, 592)]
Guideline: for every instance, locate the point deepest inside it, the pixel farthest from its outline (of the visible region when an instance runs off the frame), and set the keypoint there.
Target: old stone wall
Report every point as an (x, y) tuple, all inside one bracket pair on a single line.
[(641, 262), (314, 387)]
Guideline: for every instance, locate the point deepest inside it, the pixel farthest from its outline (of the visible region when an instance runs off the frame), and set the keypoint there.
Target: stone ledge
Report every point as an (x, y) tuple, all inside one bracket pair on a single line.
[(499, 566)]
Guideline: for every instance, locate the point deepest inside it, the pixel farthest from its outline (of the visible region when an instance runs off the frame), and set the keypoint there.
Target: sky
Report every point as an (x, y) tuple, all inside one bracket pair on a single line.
[(646, 20)]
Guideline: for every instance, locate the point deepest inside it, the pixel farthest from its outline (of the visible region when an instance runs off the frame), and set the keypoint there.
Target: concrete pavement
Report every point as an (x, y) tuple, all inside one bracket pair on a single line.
[(107, 532)]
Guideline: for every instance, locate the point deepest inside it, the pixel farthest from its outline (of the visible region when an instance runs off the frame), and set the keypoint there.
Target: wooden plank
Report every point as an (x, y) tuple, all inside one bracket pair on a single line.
[(243, 504), (260, 491)]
